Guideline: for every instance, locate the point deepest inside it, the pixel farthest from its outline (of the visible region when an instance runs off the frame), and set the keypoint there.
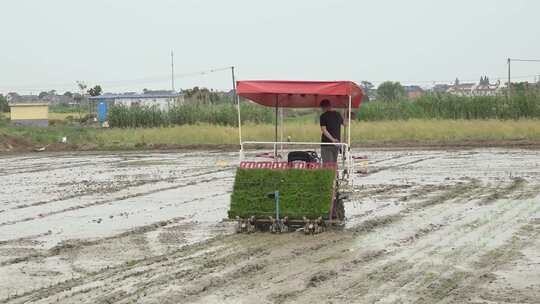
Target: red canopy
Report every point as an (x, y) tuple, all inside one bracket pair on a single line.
[(300, 94)]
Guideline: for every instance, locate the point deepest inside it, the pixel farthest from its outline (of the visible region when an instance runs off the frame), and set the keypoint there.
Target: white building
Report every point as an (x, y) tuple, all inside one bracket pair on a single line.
[(483, 88), (164, 100)]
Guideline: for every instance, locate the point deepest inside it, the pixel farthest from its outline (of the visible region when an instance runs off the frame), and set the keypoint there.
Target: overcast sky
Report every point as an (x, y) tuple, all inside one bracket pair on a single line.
[(125, 44)]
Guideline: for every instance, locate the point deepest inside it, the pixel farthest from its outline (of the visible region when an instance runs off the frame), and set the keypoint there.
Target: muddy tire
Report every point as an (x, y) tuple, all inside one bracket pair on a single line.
[(339, 210)]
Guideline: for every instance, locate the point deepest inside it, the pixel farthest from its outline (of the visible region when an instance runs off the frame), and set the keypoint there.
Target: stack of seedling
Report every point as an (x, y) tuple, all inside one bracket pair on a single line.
[(302, 192)]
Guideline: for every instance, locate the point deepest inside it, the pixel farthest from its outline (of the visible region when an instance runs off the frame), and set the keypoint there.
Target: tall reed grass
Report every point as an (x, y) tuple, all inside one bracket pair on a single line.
[(429, 106), (218, 114), (361, 132), (447, 106), (449, 131)]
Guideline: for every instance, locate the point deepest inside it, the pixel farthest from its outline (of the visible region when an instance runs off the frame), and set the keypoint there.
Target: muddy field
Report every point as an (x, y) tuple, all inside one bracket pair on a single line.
[(423, 227)]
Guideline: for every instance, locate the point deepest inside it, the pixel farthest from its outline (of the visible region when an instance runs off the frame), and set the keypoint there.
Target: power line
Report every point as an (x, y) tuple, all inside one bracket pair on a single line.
[(452, 80), (142, 80), (172, 71), (156, 79), (509, 61), (525, 60)]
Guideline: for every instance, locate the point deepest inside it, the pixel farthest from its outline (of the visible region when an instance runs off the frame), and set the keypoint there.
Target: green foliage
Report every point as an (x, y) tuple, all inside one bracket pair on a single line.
[(51, 134), (204, 95), (390, 91), (3, 121), (63, 109), (302, 192), (218, 114), (367, 87), (448, 106), (95, 91), (136, 117), (4, 107), (43, 94)]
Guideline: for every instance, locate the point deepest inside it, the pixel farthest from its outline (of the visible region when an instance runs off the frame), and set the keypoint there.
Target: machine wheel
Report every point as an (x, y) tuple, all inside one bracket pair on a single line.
[(339, 209), (245, 225), (314, 226), (279, 226)]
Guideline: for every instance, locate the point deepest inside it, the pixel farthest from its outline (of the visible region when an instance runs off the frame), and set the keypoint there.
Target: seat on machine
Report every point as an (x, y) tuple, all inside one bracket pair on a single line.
[(305, 156)]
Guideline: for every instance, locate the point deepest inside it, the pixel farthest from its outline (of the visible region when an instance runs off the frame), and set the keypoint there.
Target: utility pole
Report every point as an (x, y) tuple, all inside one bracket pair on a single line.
[(172, 71), (509, 79), (233, 82), (237, 107)]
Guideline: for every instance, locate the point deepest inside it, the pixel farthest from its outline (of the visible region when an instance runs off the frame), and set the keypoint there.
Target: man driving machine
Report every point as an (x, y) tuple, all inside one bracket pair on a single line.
[(330, 122)]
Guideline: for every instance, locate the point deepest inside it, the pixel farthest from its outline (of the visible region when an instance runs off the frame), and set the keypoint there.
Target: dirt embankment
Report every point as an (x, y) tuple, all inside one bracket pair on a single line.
[(14, 144)]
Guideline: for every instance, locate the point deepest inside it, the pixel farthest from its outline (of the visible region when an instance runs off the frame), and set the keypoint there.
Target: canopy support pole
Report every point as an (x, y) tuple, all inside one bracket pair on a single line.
[(349, 156), (281, 128), (349, 123), (276, 130)]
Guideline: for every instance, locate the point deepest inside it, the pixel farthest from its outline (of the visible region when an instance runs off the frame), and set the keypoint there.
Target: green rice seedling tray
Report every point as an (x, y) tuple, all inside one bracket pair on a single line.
[(302, 192)]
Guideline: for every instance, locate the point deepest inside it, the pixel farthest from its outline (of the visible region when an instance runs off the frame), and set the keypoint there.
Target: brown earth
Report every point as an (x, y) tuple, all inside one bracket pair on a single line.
[(12, 144), (424, 226)]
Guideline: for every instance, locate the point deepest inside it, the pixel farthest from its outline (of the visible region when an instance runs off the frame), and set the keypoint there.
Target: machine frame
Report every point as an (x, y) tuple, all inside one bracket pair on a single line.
[(281, 94)]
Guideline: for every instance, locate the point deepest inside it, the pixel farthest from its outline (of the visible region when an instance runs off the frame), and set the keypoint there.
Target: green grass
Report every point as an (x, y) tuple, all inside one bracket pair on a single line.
[(362, 132), (301, 192), (53, 115), (523, 104), (52, 134), (448, 106), (65, 116), (201, 134), (217, 114), (67, 109)]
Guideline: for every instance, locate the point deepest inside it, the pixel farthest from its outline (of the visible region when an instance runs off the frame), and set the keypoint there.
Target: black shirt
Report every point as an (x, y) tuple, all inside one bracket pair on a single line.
[(332, 120)]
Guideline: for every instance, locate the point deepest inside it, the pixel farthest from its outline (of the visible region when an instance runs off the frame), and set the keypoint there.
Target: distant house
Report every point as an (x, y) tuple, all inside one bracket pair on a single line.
[(462, 89), (483, 88), (13, 97), (58, 99), (440, 88), (413, 91), (51, 99), (31, 113), (164, 100)]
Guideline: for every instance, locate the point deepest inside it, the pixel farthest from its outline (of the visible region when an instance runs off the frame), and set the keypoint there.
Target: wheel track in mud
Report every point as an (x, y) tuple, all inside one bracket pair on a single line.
[(364, 230), (68, 244), (457, 286), (372, 275), (219, 283), (371, 227), (391, 261), (399, 156), (503, 224), (122, 271), (120, 157), (125, 197), (385, 253), (57, 167), (128, 185), (90, 192), (407, 163)]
